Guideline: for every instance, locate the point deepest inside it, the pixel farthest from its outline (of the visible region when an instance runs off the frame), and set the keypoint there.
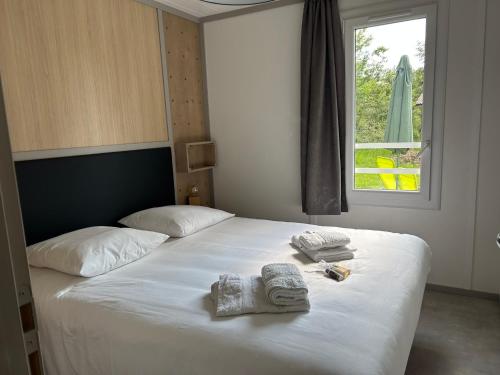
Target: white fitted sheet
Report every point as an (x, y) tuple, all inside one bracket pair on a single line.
[(154, 316)]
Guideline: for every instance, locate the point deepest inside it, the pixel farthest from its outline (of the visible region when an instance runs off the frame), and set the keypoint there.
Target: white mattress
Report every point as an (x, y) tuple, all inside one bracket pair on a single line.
[(154, 316)]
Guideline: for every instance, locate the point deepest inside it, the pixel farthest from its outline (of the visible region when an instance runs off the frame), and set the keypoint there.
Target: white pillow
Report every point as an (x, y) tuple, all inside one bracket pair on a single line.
[(93, 251), (176, 221)]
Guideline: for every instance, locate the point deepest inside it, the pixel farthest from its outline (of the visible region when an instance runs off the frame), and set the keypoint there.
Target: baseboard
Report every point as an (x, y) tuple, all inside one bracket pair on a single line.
[(463, 292)]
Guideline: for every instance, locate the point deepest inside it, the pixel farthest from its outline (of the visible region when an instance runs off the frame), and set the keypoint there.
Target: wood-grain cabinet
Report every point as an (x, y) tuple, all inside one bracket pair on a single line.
[(81, 73)]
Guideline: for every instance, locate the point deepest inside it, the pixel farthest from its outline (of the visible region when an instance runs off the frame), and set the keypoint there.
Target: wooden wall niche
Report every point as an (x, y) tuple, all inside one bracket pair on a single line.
[(81, 73), (185, 80), (196, 156)]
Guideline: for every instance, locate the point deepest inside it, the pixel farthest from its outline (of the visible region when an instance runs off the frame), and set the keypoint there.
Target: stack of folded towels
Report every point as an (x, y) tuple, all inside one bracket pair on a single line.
[(326, 245), (279, 289)]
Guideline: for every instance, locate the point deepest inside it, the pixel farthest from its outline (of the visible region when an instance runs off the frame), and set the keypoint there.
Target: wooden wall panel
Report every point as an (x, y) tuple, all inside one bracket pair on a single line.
[(81, 73), (182, 38)]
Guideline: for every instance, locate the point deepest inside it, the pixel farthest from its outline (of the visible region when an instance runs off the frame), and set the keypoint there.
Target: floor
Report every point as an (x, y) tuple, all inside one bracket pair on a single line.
[(457, 335)]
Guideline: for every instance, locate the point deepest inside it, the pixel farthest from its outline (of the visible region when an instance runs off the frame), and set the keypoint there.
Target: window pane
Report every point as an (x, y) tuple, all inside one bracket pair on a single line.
[(389, 85)]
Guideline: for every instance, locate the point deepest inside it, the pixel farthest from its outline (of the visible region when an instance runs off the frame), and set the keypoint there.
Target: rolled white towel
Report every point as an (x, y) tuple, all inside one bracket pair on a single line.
[(320, 239), (284, 284), (236, 295)]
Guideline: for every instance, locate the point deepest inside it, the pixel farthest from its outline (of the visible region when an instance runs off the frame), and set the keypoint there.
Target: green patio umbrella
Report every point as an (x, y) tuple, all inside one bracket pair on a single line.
[(399, 120)]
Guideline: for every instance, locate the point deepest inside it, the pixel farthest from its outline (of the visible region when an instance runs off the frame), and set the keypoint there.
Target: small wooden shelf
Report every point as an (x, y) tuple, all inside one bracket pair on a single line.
[(195, 156)]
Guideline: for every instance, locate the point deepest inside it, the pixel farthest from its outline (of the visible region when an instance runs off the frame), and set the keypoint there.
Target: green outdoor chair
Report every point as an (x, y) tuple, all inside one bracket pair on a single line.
[(406, 182)]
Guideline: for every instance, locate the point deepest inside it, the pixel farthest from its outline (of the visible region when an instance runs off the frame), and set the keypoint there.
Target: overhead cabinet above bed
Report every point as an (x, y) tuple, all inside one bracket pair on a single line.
[(81, 73)]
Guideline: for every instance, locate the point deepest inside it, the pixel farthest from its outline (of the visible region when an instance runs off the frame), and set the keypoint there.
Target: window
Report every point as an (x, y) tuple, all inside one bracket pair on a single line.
[(391, 97)]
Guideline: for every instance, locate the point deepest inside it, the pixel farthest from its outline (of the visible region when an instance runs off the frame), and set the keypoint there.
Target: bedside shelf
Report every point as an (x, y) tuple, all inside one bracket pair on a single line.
[(195, 156)]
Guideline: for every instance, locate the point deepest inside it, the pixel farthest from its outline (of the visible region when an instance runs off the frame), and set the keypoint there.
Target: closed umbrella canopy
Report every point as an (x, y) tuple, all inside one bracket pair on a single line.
[(399, 120)]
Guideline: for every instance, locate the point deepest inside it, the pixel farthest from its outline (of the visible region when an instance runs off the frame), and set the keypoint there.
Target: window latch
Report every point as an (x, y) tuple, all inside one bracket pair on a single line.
[(426, 145)]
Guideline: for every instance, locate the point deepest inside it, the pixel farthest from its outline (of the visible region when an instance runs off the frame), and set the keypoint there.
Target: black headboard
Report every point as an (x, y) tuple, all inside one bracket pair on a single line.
[(63, 194)]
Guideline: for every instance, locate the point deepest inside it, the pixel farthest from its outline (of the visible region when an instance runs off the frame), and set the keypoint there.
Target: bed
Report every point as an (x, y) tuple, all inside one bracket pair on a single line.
[(154, 316)]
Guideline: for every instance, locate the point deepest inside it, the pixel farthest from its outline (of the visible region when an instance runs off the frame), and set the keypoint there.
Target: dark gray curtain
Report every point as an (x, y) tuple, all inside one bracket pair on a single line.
[(322, 110)]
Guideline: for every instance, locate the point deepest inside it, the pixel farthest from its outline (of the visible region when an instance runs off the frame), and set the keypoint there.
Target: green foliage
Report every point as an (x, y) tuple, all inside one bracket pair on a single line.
[(373, 90)]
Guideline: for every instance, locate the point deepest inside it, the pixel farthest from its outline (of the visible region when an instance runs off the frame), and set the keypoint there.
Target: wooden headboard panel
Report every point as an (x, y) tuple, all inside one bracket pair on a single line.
[(63, 194)]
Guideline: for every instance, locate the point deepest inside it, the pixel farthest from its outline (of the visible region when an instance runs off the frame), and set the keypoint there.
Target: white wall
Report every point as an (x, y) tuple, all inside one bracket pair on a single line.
[(487, 254), (253, 84), (254, 100)]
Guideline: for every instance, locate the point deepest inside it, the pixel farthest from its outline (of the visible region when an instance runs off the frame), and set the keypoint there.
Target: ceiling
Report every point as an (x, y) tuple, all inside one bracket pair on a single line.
[(199, 9)]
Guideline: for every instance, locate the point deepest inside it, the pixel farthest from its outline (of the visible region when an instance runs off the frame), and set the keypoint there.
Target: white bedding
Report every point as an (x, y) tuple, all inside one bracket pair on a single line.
[(154, 316)]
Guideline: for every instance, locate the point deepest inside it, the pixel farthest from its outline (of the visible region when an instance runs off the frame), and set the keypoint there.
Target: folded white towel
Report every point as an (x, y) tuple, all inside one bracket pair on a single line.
[(320, 239), (235, 295), (330, 255), (284, 284)]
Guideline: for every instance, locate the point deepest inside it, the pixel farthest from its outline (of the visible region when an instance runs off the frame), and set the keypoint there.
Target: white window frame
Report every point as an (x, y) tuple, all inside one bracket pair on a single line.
[(429, 196)]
